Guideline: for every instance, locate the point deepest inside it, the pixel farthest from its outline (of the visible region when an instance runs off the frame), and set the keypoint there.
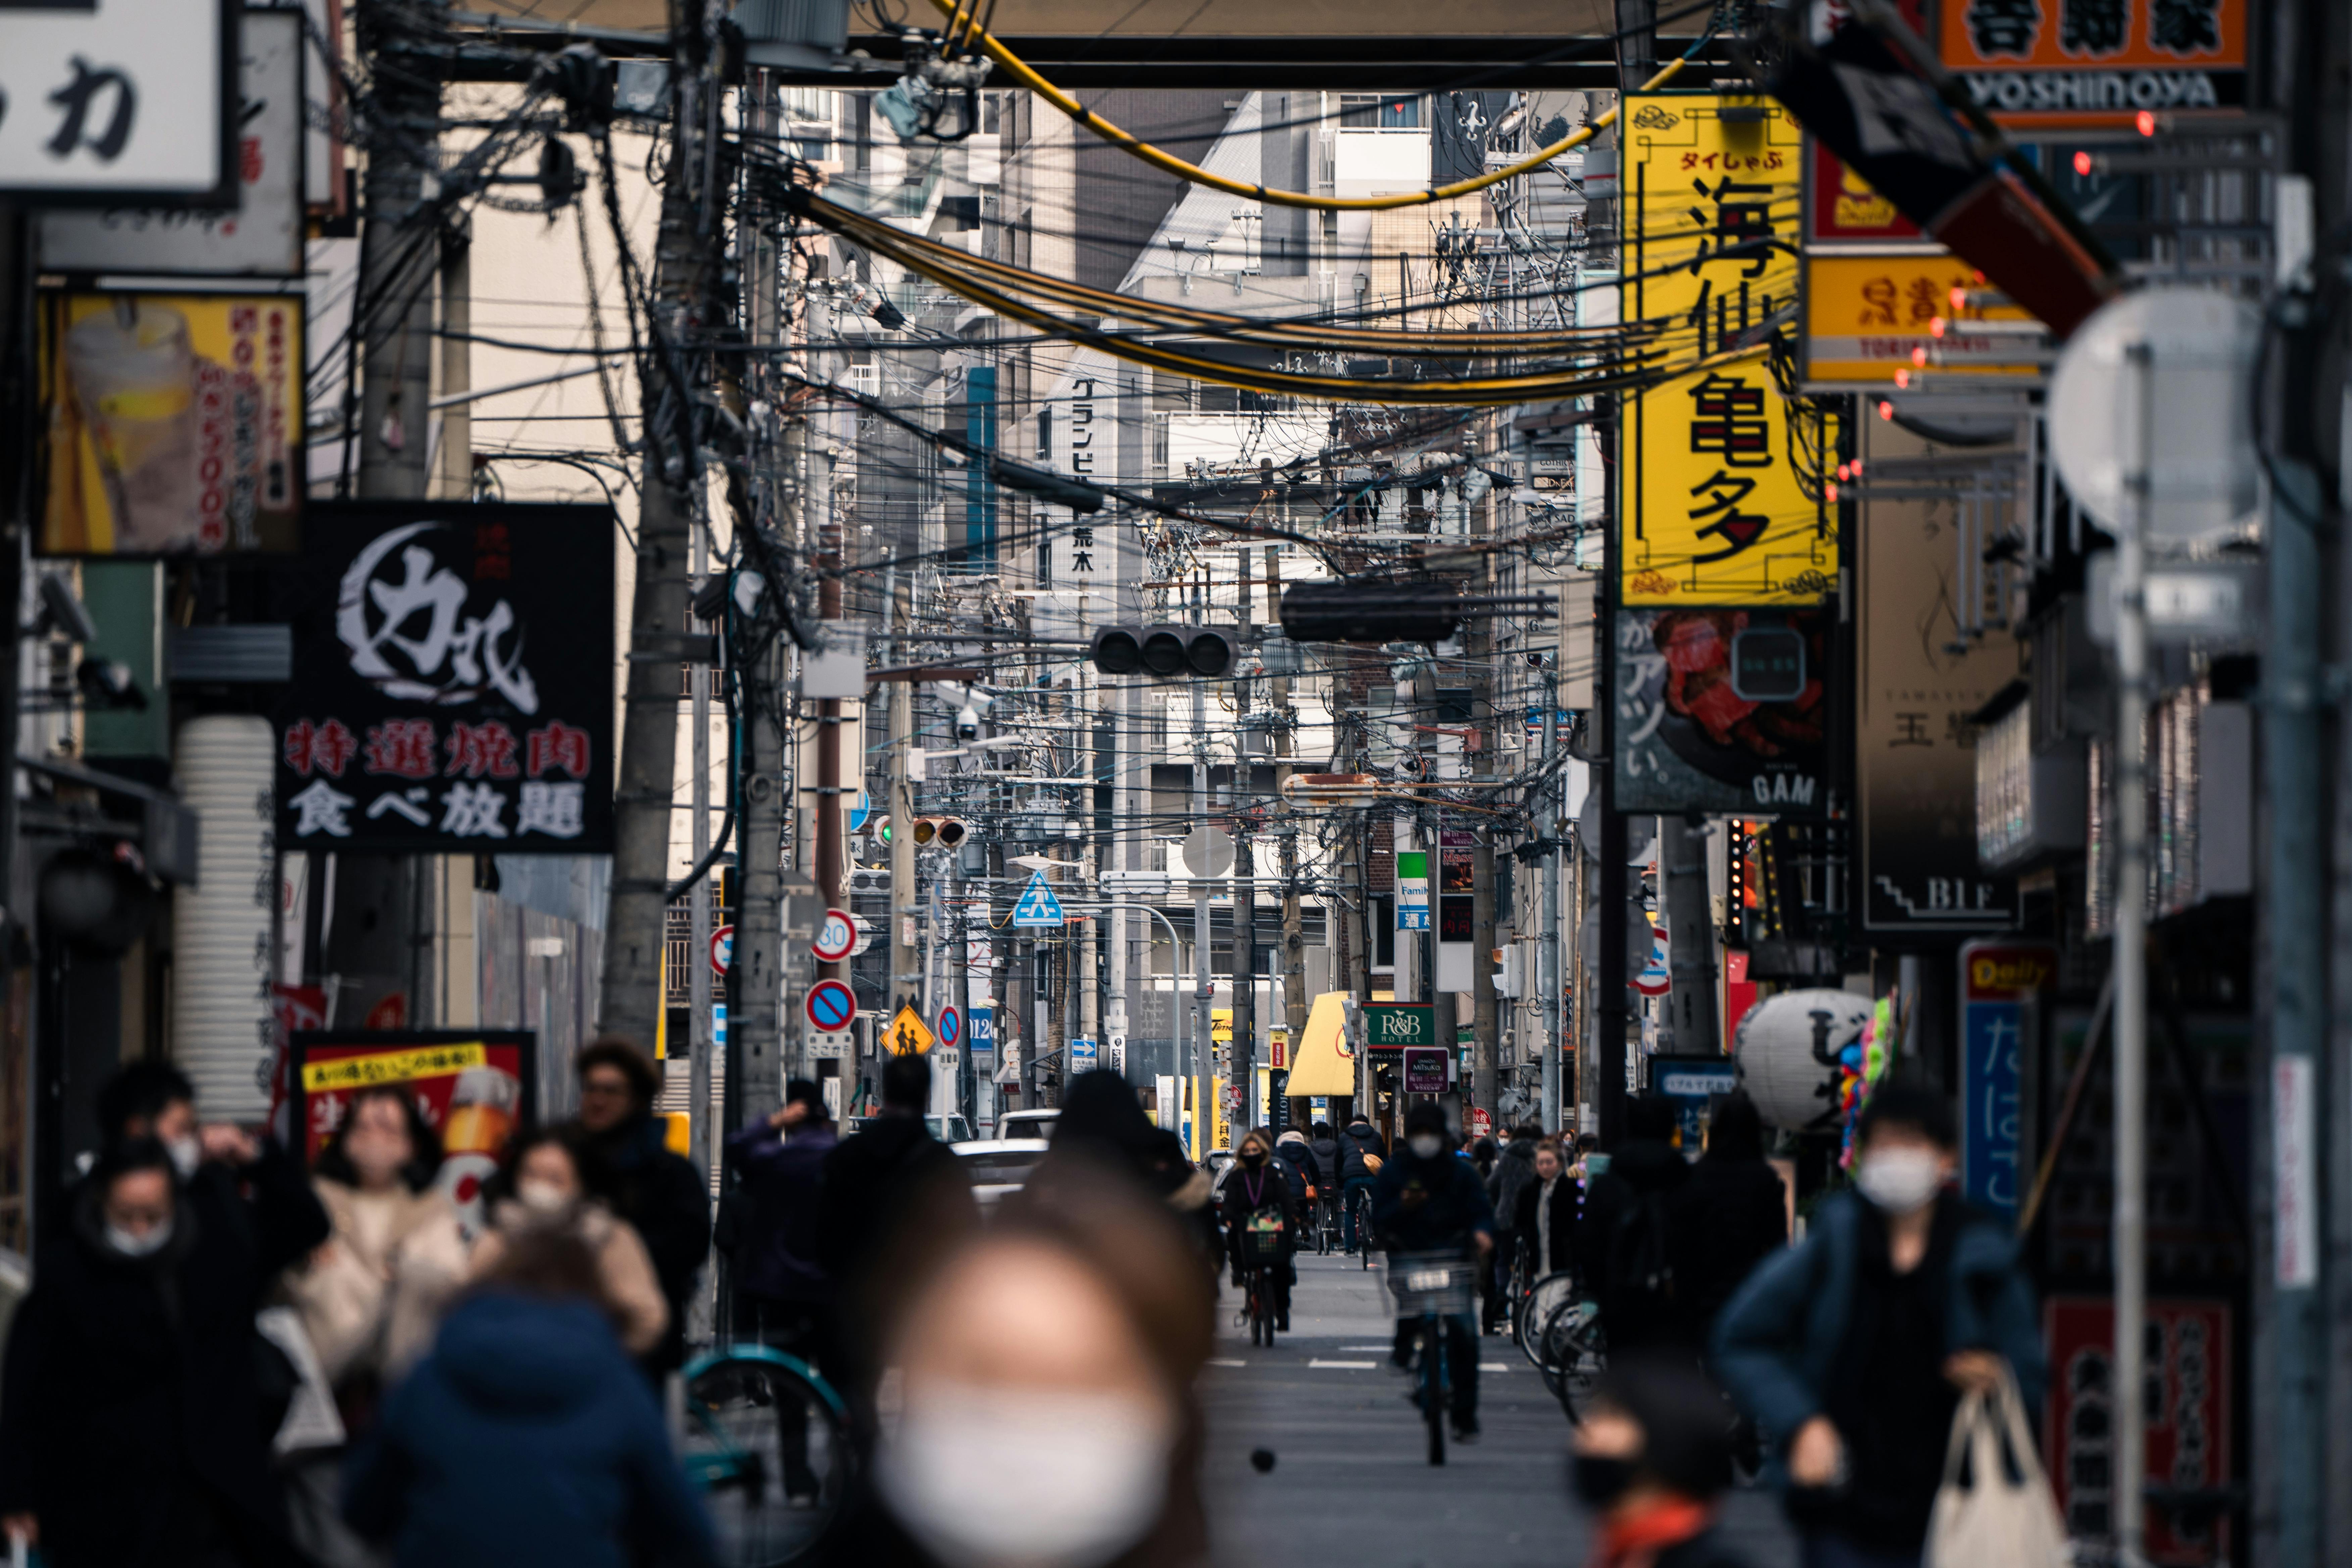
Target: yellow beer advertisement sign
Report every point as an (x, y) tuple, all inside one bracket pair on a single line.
[(1713, 511)]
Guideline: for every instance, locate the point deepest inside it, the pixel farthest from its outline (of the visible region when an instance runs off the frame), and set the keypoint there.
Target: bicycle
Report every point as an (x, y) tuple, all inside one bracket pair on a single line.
[(1363, 1207), (1536, 1303), (766, 1439), (1433, 1287), (1261, 1250), (1329, 1237), (1572, 1350)]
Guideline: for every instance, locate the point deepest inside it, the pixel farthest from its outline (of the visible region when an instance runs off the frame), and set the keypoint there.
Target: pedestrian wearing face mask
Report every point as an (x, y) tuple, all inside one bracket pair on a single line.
[(1652, 1457), (371, 1296), (133, 1429), (543, 1187), (659, 1193), (1851, 1351), (1103, 1404), (1429, 1199), (1257, 1192)]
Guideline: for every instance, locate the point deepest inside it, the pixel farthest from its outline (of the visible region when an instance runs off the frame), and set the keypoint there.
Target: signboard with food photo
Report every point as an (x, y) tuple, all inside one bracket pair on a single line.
[(1722, 710), (473, 1089)]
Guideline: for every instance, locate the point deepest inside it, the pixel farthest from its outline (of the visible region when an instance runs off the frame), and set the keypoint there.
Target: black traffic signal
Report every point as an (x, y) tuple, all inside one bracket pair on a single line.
[(1370, 611), (1164, 652)]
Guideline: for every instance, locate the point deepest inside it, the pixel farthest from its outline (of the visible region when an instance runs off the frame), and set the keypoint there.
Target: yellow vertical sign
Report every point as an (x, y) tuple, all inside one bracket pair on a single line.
[(1712, 509)]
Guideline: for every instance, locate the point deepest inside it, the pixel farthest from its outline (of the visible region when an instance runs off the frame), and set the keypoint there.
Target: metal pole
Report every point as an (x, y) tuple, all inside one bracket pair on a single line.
[(697, 898), (2131, 989)]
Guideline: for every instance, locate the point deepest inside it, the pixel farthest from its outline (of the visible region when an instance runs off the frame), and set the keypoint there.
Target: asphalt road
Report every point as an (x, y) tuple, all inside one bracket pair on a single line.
[(1352, 1485)]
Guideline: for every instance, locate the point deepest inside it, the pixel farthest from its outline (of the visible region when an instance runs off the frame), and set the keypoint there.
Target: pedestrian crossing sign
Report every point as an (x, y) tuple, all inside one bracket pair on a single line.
[(908, 1035), (1038, 906)]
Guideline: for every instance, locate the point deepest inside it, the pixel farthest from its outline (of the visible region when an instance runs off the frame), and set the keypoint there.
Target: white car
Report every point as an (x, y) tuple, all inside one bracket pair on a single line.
[(946, 1128), (1028, 1124), (999, 1165)]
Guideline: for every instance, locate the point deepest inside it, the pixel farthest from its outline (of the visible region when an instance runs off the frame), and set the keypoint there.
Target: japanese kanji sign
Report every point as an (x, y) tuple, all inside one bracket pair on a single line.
[(121, 100), (1714, 511), (1690, 736), (1869, 318), (173, 423), (453, 681), (2039, 63), (1997, 983), (473, 1088)]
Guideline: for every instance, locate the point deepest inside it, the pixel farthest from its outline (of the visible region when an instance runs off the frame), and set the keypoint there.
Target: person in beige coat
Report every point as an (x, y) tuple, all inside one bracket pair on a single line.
[(544, 1184), (371, 1296)]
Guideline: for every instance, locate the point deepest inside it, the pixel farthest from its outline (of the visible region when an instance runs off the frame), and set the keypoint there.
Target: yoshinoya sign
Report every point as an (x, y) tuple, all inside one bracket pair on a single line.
[(2095, 62), (453, 681)]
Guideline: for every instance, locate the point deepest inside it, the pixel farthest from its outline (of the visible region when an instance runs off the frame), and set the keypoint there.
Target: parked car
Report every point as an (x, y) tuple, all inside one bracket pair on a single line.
[(946, 1128), (999, 1165)]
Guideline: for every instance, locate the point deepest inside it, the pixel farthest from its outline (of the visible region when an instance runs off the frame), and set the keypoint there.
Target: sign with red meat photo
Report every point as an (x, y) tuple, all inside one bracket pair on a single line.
[(453, 681), (474, 1089), (1722, 710)]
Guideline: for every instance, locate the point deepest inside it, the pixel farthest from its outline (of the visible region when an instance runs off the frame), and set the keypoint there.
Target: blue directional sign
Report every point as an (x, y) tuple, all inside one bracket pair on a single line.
[(1083, 1055), (860, 812), (1038, 906), (984, 1036), (950, 1029)]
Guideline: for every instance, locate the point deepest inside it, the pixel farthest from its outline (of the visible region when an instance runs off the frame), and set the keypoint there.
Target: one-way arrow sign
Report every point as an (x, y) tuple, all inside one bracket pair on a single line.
[(1038, 906)]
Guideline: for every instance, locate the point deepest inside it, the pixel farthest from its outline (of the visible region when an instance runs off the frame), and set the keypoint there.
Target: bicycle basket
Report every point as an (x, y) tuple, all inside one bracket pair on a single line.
[(1262, 1237), (1440, 1282)]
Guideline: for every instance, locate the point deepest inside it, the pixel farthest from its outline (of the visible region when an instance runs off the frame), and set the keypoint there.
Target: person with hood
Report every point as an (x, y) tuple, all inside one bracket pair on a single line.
[(1428, 1199), (1512, 1170), (1256, 1192), (1851, 1351), (134, 1426), (1730, 1216), (1625, 1243), (1297, 1157), (660, 1193), (543, 1187), (526, 1439), (783, 1295), (1326, 1150), (1361, 1151), (1652, 1457)]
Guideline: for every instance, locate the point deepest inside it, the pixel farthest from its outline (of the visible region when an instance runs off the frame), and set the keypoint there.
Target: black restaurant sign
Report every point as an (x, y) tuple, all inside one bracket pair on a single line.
[(453, 681)]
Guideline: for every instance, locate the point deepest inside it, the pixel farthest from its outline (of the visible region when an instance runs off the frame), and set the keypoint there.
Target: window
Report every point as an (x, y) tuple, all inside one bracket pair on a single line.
[(1370, 111)]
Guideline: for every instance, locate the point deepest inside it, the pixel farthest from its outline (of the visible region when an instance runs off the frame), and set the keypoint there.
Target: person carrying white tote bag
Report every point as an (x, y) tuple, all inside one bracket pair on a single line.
[(1995, 1510)]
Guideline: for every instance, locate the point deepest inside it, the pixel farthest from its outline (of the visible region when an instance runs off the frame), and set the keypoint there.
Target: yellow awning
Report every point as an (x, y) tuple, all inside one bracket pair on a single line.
[(1323, 1064)]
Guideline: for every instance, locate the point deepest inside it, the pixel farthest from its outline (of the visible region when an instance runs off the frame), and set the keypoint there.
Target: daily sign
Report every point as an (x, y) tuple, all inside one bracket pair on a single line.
[(453, 681)]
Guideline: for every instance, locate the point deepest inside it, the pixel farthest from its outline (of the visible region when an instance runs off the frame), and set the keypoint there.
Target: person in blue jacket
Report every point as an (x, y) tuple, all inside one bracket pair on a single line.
[(1428, 1199), (1850, 1350), (527, 1439)]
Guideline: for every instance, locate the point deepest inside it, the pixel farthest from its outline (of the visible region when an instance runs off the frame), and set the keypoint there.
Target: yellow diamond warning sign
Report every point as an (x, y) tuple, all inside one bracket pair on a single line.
[(909, 1036)]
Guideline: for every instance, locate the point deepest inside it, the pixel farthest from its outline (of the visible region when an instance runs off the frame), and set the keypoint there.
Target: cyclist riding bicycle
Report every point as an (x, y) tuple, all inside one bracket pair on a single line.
[(1361, 1152), (1426, 1200), (1257, 1196)]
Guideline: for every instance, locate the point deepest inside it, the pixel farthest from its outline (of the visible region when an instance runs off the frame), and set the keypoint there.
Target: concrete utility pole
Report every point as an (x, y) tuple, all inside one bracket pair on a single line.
[(1204, 980), (1552, 1003), (1294, 941), (1243, 1053), (682, 256), (906, 978), (1486, 1044)]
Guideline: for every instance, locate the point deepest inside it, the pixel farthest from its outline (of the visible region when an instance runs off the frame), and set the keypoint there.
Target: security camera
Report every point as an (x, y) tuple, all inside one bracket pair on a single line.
[(63, 613), (968, 723)]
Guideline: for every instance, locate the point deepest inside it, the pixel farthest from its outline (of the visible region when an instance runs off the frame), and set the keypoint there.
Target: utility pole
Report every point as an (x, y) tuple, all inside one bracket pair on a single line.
[(1294, 941), (1205, 983), (1485, 1041), (1244, 1052), (1610, 989), (682, 254), (1549, 1000), (905, 977)]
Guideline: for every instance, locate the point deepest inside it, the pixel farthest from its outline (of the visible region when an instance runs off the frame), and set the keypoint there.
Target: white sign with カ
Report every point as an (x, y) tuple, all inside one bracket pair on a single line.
[(262, 235), (119, 100)]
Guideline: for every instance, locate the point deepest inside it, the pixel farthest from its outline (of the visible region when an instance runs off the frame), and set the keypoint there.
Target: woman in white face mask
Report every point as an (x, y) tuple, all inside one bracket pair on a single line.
[(1063, 1343), (543, 1183)]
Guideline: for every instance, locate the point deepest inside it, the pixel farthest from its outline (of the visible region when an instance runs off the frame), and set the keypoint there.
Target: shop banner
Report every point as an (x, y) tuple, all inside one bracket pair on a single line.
[(453, 681), (474, 1089), (2083, 63), (1412, 889), (110, 101), (1715, 512), (1997, 983), (172, 424), (2188, 1416), (1723, 712), (1873, 319)]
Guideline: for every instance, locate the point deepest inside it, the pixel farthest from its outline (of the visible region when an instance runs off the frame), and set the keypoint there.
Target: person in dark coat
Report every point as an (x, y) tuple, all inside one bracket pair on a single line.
[(1731, 1216), (783, 1294), (1512, 1170), (1256, 1185), (526, 1439), (1652, 1457), (1297, 1160), (889, 1186), (134, 1426), (1545, 1217), (1356, 1171), (660, 1193), (1428, 1199), (1625, 1242)]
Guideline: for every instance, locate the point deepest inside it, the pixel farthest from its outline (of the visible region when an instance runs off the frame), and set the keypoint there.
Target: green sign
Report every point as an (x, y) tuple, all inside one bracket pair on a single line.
[(1393, 1026)]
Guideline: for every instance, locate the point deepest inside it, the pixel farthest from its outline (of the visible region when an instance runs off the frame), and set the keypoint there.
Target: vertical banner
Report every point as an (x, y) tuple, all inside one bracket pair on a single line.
[(1412, 889), (1715, 508), (453, 681), (1997, 983), (1922, 676), (2189, 1416)]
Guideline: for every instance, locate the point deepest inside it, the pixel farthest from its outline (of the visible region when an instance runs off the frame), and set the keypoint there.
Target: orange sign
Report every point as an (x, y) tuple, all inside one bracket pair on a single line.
[(2041, 64)]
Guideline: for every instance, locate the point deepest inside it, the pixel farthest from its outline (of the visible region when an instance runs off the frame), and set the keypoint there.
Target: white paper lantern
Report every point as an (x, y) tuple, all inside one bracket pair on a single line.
[(1775, 1047)]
